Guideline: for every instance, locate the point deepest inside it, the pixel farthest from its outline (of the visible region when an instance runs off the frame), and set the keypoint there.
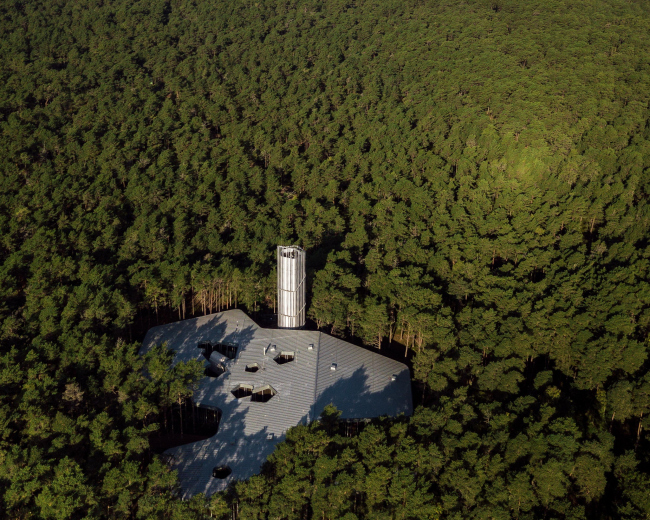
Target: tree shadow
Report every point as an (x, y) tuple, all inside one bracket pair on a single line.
[(245, 452), (358, 396), (186, 335), (232, 447)]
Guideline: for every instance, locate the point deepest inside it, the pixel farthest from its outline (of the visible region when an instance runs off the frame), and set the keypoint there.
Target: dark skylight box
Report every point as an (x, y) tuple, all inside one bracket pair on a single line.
[(242, 390), (221, 472), (252, 367), (207, 349), (285, 357), (230, 351), (263, 394)]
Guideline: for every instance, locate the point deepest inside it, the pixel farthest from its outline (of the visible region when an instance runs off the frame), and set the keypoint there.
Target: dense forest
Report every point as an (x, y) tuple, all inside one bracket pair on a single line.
[(470, 180)]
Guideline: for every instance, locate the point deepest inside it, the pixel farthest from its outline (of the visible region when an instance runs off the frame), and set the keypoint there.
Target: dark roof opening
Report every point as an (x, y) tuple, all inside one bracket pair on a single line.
[(263, 394), (207, 349), (242, 390), (230, 351), (253, 367), (285, 357), (221, 471)]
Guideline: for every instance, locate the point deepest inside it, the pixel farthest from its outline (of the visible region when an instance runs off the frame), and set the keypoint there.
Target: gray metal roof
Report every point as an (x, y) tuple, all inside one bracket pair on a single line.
[(364, 384)]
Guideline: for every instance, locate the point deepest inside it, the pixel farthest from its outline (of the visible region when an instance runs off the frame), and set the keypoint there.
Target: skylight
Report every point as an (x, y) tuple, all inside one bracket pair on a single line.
[(263, 394), (221, 472), (284, 357), (242, 390)]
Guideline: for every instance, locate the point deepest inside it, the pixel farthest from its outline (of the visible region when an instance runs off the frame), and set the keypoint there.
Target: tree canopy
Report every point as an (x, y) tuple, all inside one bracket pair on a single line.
[(470, 180)]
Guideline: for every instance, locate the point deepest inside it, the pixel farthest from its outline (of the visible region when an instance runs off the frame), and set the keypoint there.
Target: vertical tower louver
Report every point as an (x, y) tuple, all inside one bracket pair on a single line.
[(291, 287)]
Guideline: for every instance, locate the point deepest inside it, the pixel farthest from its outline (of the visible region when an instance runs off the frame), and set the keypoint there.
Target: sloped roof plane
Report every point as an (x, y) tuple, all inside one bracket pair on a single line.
[(364, 385)]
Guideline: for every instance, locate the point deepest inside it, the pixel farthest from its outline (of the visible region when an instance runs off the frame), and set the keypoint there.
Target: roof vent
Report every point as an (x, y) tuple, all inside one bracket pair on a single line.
[(270, 436), (252, 367), (310, 347), (333, 367), (242, 390), (393, 377), (285, 357)]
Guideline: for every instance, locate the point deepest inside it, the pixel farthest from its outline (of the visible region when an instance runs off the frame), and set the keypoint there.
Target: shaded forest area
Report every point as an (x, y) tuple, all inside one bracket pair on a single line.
[(469, 176)]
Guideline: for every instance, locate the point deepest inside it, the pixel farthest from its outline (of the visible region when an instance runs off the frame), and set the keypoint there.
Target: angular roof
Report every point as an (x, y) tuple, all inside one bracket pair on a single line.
[(363, 385)]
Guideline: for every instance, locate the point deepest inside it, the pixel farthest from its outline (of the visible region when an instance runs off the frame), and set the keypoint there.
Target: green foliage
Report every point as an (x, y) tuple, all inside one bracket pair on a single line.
[(77, 444), (470, 179), (320, 471)]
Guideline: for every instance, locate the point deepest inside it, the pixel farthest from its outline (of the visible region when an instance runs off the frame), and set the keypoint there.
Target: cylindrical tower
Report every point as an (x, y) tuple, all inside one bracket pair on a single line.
[(291, 287)]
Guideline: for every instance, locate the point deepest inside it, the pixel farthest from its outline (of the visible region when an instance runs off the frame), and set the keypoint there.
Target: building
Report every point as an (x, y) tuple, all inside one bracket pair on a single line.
[(291, 287), (268, 380)]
